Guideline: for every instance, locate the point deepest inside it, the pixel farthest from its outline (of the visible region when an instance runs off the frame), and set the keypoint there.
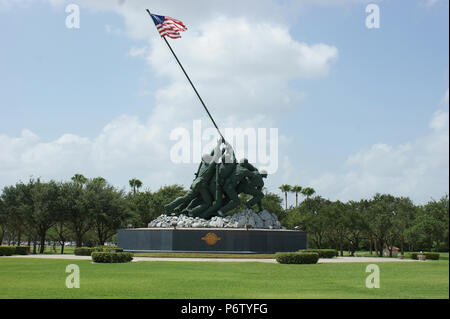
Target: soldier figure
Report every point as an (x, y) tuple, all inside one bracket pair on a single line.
[(199, 187), (253, 186), (223, 170), (239, 174)]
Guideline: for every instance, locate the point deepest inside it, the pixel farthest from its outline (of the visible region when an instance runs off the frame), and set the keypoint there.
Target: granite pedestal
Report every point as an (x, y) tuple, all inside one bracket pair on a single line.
[(218, 240)]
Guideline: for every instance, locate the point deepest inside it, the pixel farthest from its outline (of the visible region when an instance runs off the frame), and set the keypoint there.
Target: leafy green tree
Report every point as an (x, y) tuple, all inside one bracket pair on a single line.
[(18, 205), (44, 197), (382, 211), (107, 208), (60, 231), (404, 215), (272, 203), (432, 223), (139, 207), (296, 189), (355, 223), (285, 188), (312, 216), (3, 220), (79, 218), (338, 224), (162, 197)]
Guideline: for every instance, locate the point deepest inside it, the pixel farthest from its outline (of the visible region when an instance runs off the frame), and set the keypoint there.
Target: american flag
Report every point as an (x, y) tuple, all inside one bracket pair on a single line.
[(168, 26)]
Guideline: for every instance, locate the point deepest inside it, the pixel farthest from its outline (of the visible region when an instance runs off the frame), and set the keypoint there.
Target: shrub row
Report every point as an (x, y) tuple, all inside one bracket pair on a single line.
[(7, 250), (11, 250), (297, 258), (87, 251), (22, 250), (428, 255), (83, 251), (323, 253), (110, 257), (109, 249)]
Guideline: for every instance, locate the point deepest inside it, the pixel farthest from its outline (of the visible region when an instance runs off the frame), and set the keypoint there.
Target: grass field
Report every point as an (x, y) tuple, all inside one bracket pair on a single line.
[(43, 278)]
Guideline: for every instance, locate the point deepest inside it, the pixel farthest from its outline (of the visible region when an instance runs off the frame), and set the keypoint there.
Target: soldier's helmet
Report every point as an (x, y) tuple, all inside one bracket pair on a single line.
[(207, 158), (263, 173)]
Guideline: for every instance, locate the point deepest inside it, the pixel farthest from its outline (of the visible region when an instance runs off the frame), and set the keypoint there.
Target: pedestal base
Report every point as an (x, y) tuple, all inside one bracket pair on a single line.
[(218, 240)]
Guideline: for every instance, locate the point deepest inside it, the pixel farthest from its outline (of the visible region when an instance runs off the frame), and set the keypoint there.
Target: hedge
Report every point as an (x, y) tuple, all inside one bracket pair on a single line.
[(87, 251), (111, 249), (297, 258), (428, 255), (7, 250), (83, 251), (22, 250), (323, 253), (108, 257)]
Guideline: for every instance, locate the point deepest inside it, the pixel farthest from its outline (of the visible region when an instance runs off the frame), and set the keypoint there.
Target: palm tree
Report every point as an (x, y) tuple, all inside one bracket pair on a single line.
[(285, 188), (296, 189), (79, 179), (308, 191), (135, 184)]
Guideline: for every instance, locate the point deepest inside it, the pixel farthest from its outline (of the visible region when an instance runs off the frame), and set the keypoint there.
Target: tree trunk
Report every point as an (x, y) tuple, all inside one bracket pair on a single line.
[(79, 240), (296, 199), (375, 244), (42, 247), (34, 247), (62, 248), (285, 200), (370, 244), (19, 237), (401, 245)]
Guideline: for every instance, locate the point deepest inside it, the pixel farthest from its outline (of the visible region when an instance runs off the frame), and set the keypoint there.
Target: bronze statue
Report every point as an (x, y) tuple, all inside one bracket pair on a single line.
[(218, 182)]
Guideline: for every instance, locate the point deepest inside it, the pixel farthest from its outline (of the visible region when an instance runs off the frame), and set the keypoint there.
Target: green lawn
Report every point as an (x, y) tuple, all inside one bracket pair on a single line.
[(44, 278)]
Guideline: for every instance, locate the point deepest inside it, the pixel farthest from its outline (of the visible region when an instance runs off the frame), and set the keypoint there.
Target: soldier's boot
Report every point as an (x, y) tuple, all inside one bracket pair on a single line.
[(206, 202), (179, 201), (191, 205), (232, 204)]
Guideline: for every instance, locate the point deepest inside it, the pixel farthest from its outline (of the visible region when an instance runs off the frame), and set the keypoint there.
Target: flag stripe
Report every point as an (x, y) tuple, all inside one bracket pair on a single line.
[(171, 34)]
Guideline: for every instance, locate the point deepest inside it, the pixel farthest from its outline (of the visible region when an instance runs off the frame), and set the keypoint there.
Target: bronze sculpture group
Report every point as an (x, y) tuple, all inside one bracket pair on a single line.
[(218, 182)]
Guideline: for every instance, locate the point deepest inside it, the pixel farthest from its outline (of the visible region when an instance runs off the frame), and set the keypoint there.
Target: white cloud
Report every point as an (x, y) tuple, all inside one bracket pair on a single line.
[(418, 169), (137, 52), (239, 67)]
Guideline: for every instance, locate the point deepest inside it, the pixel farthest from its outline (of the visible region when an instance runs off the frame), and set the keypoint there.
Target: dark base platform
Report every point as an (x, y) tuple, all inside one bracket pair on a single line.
[(217, 240)]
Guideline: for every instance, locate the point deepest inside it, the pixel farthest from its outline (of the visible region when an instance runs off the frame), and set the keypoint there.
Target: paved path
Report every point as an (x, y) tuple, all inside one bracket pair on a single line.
[(321, 261)]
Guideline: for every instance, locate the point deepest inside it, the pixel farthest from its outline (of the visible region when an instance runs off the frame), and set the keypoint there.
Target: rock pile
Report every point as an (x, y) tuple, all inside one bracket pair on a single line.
[(261, 220)]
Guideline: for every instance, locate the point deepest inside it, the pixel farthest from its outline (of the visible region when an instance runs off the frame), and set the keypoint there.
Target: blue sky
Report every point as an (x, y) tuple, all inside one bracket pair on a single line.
[(370, 116)]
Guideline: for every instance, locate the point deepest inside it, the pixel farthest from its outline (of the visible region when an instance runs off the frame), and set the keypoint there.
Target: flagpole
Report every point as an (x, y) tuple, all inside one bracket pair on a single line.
[(195, 90)]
